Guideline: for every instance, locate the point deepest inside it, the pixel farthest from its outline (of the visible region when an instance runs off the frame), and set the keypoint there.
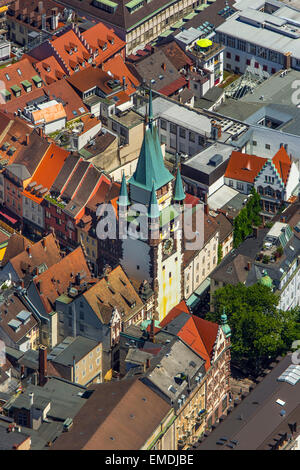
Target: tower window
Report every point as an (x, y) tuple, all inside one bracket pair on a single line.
[(137, 267)]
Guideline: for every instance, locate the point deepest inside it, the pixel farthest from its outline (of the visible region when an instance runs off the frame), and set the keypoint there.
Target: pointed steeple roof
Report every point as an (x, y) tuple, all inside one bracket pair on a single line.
[(150, 109), (150, 167), (224, 324), (179, 194), (153, 211), (123, 199)]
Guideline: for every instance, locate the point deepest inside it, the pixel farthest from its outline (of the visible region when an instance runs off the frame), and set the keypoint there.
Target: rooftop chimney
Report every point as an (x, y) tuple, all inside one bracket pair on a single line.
[(248, 265), (27, 139), (31, 395), (42, 365), (206, 209)]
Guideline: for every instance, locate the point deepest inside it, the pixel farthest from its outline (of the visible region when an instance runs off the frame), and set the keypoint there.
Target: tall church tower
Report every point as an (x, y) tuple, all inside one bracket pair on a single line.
[(153, 250)]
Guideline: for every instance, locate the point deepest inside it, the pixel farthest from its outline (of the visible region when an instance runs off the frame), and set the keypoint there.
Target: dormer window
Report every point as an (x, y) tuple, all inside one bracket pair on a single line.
[(19, 71), (134, 5), (7, 76)]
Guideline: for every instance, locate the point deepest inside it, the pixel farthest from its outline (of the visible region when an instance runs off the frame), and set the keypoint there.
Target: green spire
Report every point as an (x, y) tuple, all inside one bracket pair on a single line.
[(179, 194), (123, 199), (150, 119), (150, 167), (153, 211), (224, 325)]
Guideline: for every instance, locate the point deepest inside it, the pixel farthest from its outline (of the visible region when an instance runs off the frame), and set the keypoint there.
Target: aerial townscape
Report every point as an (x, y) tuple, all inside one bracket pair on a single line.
[(150, 225)]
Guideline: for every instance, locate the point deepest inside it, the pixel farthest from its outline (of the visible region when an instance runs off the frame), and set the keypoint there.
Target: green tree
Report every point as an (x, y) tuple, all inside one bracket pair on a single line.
[(220, 253), (260, 331), (247, 217)]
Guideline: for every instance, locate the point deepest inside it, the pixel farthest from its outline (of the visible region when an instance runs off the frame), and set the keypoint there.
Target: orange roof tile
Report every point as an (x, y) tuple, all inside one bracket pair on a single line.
[(50, 69), (56, 280), (282, 163), (17, 73), (49, 114), (97, 36), (208, 331), (47, 170), (119, 69), (174, 313), (63, 45), (244, 167), (190, 334)]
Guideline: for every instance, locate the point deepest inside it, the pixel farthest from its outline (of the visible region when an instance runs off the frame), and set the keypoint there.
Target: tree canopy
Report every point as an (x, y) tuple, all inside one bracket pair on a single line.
[(259, 330), (247, 218)]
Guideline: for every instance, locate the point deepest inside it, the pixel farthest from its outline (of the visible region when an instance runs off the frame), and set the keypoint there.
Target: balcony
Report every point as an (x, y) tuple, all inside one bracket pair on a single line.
[(205, 54)]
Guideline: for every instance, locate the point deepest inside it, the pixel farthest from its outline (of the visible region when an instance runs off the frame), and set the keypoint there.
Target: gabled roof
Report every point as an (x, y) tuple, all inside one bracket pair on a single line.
[(50, 70), (197, 333), (49, 114), (71, 50), (16, 245), (48, 170), (13, 132), (15, 75), (113, 291), (244, 167), (31, 155), (176, 55), (99, 35), (282, 163), (55, 281), (45, 252), (130, 413), (14, 328)]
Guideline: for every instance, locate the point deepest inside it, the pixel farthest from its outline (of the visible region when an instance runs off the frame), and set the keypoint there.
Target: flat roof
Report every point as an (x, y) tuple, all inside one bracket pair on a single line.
[(201, 160), (129, 119), (188, 35), (221, 197), (271, 39)]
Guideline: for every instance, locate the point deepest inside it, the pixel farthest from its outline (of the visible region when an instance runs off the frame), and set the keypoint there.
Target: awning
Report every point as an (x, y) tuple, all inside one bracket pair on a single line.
[(205, 284), (8, 217), (191, 300)]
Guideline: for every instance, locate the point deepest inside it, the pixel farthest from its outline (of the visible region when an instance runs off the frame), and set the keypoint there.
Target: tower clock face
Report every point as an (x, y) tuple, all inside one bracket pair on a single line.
[(168, 246)]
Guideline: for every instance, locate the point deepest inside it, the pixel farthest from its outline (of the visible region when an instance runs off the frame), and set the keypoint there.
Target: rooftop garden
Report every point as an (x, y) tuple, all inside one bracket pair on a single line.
[(54, 201)]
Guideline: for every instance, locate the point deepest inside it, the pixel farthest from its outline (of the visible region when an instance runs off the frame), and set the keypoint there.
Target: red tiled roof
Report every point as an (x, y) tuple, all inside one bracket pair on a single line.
[(244, 167), (208, 331), (170, 89), (191, 335), (174, 313), (47, 171), (282, 163), (61, 89), (191, 200), (44, 251), (55, 281), (15, 74), (50, 70), (63, 45), (101, 34), (119, 69)]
